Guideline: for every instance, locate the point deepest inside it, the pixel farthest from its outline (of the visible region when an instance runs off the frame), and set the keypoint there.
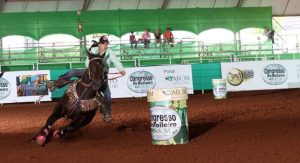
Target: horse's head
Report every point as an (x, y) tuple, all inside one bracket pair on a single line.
[(95, 71)]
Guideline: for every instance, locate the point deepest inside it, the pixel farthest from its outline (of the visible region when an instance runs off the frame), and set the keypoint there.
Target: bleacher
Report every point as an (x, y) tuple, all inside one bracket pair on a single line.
[(183, 52)]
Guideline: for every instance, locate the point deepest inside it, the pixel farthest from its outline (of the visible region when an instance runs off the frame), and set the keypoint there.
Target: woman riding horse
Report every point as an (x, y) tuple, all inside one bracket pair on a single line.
[(79, 103)]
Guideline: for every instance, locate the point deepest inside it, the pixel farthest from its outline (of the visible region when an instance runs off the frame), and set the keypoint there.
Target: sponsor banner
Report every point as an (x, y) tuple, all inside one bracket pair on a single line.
[(260, 75), (24, 86), (138, 81)]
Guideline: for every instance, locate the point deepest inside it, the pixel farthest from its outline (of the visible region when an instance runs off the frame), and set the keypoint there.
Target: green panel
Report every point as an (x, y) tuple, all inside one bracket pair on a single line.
[(119, 22), (289, 56), (78, 65), (128, 63), (154, 62), (176, 60), (54, 66), (17, 67), (54, 74), (203, 75)]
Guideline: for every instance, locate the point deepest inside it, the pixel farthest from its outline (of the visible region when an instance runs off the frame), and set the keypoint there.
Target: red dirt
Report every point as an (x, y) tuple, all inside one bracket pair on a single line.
[(260, 126)]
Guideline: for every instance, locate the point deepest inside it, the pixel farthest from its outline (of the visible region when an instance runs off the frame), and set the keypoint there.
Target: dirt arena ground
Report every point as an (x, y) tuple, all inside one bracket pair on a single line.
[(260, 126)]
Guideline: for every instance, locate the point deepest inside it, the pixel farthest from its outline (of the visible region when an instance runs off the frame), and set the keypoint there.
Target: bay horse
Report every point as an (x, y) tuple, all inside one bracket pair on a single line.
[(79, 103)]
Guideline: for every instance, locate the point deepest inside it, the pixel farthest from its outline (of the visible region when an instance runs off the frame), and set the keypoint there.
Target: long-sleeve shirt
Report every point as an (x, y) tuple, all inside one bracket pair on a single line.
[(146, 36), (109, 58)]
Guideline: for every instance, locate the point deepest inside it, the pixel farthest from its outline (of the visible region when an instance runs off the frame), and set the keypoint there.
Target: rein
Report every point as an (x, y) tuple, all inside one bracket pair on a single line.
[(86, 87), (116, 73)]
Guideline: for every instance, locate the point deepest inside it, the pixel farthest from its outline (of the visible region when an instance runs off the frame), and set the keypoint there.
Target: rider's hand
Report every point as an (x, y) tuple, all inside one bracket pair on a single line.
[(122, 73)]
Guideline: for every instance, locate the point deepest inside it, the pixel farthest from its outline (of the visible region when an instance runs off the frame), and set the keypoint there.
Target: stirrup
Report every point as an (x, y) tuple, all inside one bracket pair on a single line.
[(51, 87)]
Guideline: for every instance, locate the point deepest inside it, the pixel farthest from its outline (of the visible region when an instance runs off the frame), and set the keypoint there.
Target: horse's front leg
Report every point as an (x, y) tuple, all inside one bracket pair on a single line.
[(80, 121), (44, 134), (74, 125)]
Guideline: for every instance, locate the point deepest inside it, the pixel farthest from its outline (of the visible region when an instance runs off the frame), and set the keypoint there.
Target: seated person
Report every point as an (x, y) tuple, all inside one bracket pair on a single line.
[(168, 37), (146, 38), (270, 34), (132, 40), (157, 36)]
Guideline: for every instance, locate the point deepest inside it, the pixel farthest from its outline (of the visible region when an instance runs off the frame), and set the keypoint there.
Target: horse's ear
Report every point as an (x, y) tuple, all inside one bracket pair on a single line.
[(90, 55)]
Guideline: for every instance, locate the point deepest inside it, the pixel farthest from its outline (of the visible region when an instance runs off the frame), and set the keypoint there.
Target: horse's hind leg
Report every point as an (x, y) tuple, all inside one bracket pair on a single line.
[(43, 135)]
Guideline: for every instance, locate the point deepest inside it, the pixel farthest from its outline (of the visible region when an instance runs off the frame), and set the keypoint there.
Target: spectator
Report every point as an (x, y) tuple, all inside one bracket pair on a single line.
[(146, 38), (168, 37), (132, 40), (270, 34), (157, 36)]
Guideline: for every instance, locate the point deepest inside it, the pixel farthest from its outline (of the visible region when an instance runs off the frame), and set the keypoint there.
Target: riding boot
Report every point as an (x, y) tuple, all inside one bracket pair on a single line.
[(107, 118), (52, 85)]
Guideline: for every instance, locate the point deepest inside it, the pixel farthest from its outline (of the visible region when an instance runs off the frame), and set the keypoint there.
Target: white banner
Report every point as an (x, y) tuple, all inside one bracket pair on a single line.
[(24, 86), (261, 75), (137, 81)]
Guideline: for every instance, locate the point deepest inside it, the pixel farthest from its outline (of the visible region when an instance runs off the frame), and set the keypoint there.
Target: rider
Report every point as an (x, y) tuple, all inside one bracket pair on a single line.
[(98, 48)]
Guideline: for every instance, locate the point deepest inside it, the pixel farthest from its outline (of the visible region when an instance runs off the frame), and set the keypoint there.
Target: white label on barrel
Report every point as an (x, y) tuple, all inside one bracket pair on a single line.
[(165, 123)]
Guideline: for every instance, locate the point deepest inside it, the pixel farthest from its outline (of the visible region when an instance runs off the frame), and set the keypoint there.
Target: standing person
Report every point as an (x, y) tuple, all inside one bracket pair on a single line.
[(270, 34), (98, 48), (168, 37), (132, 40), (146, 38), (157, 36)]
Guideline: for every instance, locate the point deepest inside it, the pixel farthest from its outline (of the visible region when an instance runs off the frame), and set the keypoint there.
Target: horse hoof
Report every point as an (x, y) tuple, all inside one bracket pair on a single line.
[(56, 134), (40, 140)]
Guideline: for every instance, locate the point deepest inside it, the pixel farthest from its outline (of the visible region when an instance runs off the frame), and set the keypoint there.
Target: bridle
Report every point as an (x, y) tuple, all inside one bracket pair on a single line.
[(89, 73), (87, 86)]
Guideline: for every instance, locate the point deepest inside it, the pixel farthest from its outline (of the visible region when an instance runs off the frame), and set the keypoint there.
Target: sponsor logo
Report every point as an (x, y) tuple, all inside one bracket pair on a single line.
[(32, 85), (174, 92), (5, 88), (274, 74), (169, 71), (178, 79), (236, 76), (298, 71), (141, 81), (165, 123)]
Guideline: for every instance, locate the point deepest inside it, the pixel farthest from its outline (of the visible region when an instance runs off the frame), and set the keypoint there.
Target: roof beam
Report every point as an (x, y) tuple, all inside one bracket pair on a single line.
[(85, 5), (32, 0), (187, 3), (57, 5), (138, 4), (240, 3), (2, 5), (165, 4), (214, 4), (287, 4)]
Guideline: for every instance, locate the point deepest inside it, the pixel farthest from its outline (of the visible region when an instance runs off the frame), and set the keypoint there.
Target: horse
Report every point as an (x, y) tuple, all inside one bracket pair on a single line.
[(79, 103)]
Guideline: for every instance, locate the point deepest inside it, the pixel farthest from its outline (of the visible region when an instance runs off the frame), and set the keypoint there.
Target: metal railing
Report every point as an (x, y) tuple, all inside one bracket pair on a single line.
[(188, 51)]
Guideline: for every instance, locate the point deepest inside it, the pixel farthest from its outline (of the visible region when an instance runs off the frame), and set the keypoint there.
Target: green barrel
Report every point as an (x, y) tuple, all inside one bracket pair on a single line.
[(169, 123)]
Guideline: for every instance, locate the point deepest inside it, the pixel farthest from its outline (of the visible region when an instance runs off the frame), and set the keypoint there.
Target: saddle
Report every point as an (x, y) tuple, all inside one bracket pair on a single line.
[(85, 105)]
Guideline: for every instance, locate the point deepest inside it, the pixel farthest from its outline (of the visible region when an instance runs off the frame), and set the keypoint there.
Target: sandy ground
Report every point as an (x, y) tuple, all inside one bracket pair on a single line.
[(259, 126)]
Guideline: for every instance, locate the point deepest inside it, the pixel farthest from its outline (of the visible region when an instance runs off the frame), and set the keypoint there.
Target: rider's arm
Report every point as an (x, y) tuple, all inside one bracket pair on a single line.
[(113, 58)]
